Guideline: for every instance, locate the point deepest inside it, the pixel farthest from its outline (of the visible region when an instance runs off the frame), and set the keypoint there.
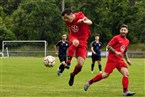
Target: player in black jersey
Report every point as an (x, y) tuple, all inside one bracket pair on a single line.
[(61, 50), (96, 53)]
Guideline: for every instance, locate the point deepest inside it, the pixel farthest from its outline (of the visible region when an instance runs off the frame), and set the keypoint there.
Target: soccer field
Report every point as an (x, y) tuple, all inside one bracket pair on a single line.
[(28, 77)]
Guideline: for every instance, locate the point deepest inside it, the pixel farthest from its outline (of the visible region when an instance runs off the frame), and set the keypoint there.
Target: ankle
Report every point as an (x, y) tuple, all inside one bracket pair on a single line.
[(90, 82)]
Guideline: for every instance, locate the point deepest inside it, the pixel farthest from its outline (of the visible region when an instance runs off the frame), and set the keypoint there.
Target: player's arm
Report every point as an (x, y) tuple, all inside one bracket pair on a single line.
[(127, 58), (110, 48), (110, 45), (92, 49), (85, 20), (56, 48)]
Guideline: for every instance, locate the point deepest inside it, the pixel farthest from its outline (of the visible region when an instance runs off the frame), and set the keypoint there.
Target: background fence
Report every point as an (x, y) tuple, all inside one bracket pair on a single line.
[(131, 54)]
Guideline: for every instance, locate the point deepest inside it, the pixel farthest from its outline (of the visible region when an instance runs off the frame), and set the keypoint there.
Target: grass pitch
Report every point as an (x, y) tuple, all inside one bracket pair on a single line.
[(28, 77)]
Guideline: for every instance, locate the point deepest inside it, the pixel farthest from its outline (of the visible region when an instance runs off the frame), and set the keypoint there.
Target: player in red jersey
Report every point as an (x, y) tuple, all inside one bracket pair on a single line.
[(79, 31), (117, 48)]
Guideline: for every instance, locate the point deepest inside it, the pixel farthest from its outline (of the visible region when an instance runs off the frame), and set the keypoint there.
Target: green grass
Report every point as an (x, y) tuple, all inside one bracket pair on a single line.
[(28, 77)]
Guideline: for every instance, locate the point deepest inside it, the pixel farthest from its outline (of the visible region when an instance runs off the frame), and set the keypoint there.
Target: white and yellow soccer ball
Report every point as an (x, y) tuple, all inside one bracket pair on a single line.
[(49, 61)]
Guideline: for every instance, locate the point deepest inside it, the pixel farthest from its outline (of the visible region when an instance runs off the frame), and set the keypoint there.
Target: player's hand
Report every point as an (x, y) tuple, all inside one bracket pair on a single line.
[(56, 53), (118, 53), (80, 21), (129, 62), (94, 52), (63, 62)]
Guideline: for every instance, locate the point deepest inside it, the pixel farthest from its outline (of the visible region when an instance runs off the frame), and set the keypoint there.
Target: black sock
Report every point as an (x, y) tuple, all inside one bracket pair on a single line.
[(61, 68), (125, 90), (100, 67), (92, 66)]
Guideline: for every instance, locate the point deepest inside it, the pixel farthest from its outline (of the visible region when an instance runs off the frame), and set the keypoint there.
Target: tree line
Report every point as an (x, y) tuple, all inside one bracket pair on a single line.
[(42, 20)]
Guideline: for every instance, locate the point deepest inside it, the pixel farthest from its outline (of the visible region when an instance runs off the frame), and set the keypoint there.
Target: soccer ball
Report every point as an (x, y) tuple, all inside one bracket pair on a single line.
[(49, 61)]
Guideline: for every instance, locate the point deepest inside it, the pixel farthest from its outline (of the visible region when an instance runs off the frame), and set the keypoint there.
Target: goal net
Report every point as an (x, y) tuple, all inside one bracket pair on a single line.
[(24, 48)]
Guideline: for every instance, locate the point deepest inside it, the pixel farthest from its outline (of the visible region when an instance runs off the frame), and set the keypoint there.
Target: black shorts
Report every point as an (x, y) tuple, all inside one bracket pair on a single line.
[(62, 58), (96, 58)]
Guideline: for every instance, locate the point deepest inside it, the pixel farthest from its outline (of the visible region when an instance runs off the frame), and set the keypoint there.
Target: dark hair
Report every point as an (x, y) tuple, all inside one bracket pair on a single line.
[(66, 11), (97, 34), (123, 25)]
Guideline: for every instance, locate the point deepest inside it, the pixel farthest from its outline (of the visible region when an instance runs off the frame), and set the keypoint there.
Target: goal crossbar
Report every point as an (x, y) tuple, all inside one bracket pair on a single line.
[(25, 41)]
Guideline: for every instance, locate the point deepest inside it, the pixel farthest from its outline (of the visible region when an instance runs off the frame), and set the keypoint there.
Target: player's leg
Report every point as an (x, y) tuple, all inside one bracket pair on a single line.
[(72, 48), (80, 55), (99, 64), (62, 65), (76, 70), (93, 64), (97, 78), (125, 81), (108, 70)]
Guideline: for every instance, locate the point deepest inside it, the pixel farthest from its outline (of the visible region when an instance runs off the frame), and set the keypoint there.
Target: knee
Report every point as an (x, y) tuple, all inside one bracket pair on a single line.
[(99, 62), (75, 42), (126, 74), (80, 62), (105, 75)]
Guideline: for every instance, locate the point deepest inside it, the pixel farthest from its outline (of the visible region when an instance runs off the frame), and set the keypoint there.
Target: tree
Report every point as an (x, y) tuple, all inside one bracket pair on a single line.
[(37, 21), (108, 15), (9, 6), (5, 33)]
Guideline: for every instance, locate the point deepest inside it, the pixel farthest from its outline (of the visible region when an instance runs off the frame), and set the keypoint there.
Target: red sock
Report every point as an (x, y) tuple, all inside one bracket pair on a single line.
[(77, 69), (125, 82), (96, 78), (71, 51)]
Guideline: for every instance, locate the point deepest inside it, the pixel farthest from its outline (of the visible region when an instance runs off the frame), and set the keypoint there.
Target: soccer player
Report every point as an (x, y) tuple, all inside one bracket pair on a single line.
[(61, 50), (96, 53), (117, 49), (79, 31)]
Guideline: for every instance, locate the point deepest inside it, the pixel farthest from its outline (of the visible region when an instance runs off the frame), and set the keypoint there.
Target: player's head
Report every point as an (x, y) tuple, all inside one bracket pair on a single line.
[(97, 37), (68, 15), (123, 30), (64, 36)]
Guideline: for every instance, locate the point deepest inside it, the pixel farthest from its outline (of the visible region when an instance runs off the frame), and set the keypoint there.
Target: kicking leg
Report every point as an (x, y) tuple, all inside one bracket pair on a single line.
[(76, 70)]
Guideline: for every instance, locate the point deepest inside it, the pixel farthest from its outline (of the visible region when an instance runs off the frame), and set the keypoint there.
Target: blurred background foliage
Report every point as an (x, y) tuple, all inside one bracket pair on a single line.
[(41, 19)]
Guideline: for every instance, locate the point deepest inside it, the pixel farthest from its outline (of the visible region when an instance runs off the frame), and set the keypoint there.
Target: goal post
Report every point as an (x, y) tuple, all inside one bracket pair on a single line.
[(24, 48)]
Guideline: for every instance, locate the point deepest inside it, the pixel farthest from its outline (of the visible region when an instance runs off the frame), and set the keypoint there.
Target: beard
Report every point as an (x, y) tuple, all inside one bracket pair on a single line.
[(123, 34)]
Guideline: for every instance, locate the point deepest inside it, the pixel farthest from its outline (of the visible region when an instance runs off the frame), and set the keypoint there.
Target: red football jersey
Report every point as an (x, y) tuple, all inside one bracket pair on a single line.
[(79, 30), (120, 44)]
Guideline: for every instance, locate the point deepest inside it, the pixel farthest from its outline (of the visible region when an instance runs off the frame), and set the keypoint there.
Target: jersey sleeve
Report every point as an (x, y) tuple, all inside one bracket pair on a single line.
[(82, 16), (57, 44), (113, 41), (92, 44)]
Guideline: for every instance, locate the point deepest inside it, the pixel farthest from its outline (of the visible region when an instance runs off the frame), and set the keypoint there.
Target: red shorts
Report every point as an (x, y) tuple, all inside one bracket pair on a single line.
[(110, 66), (81, 50)]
